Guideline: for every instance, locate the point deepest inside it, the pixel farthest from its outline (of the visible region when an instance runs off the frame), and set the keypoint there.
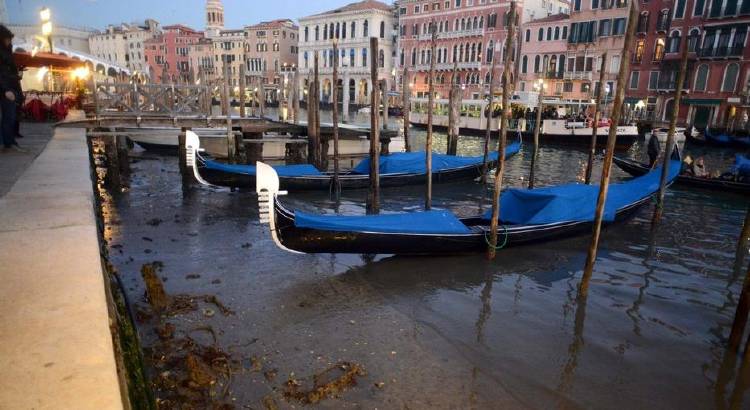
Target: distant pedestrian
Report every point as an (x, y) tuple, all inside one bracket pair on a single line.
[(10, 89)]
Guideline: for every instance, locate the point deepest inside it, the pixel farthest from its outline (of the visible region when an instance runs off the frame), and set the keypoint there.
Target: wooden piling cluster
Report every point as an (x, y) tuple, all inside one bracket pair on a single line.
[(611, 142), (597, 116), (373, 194), (505, 115)]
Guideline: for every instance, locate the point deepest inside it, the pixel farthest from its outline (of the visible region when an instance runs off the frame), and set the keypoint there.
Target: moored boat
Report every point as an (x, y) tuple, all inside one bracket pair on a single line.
[(396, 169), (527, 216), (714, 184)]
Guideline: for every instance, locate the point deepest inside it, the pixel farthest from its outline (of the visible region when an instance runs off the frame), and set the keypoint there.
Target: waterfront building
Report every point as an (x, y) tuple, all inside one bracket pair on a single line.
[(64, 39), (270, 55), (229, 50), (202, 59), (544, 47), (718, 79), (124, 44), (539, 9), (167, 53), (352, 26)]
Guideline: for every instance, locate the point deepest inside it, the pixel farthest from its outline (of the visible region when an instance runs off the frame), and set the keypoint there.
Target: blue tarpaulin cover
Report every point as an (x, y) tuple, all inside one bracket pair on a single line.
[(575, 202), (282, 170), (429, 222), (741, 165), (414, 162)]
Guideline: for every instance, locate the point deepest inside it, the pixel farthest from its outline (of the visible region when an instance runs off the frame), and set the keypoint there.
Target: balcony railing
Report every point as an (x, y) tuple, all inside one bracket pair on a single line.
[(735, 51), (454, 34), (578, 75)]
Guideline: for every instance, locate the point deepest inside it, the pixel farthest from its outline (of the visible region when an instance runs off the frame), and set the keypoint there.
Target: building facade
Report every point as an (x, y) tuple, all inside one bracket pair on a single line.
[(64, 38), (352, 26), (124, 45), (229, 50), (271, 53), (202, 60), (167, 53), (539, 9), (470, 34), (544, 47), (718, 77)]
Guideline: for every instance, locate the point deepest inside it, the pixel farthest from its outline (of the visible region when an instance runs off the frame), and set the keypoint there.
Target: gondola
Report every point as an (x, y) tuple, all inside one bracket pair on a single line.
[(398, 169), (723, 140), (528, 216), (637, 169)]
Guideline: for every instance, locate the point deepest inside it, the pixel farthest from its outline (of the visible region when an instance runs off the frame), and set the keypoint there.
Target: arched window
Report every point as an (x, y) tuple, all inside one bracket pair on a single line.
[(557, 33), (413, 56), (528, 35), (695, 34), (364, 57), (352, 57), (476, 23), (343, 30), (381, 59), (481, 22), (552, 68), (317, 33), (479, 52), (455, 53), (461, 54), (490, 51), (545, 63), (473, 53), (540, 35), (305, 56), (382, 29), (668, 109), (330, 31), (307, 34), (487, 78), (338, 30), (524, 64), (673, 46), (455, 25), (730, 77), (549, 33), (463, 24), (354, 29), (366, 30), (536, 64), (565, 32), (701, 77), (325, 32)]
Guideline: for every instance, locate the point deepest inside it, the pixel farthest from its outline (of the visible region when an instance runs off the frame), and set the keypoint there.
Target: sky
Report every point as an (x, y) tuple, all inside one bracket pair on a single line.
[(98, 14)]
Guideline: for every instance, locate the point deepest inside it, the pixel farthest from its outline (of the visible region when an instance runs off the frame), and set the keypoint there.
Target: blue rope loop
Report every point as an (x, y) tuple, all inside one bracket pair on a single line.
[(505, 239)]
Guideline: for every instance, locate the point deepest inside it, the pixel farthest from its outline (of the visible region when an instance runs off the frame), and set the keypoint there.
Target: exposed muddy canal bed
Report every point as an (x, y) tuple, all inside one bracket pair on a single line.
[(243, 324)]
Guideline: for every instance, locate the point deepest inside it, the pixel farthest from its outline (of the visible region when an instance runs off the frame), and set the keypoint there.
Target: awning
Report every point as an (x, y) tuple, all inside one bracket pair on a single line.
[(701, 101), (24, 59)]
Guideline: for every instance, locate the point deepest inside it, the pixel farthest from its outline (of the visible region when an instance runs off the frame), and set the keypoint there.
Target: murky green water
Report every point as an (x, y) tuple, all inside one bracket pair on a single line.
[(450, 332)]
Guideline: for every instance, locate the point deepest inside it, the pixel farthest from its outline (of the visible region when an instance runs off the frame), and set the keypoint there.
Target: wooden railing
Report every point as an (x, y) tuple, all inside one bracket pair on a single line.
[(134, 99)]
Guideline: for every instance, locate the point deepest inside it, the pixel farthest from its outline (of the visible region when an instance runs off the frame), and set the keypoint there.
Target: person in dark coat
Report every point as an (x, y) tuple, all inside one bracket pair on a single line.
[(654, 149), (10, 91)]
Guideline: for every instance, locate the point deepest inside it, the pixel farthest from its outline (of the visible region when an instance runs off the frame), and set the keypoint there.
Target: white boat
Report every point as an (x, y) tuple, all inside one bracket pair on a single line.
[(679, 134)]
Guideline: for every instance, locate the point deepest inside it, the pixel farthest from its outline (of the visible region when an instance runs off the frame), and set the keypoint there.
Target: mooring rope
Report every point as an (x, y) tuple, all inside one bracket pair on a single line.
[(505, 239)]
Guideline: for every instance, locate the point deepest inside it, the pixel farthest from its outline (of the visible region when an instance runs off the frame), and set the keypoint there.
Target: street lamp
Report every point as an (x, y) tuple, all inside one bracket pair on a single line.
[(46, 16)]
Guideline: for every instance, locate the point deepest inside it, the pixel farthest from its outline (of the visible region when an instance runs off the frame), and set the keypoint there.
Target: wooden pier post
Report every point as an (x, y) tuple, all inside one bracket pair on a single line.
[(373, 195), (121, 143), (261, 98), (743, 305), (454, 108), (406, 98), (430, 109), (505, 115), (488, 133), (242, 91), (384, 89), (597, 115), (611, 143), (231, 143), (313, 122), (113, 178), (670, 135), (295, 96), (537, 128), (335, 117)]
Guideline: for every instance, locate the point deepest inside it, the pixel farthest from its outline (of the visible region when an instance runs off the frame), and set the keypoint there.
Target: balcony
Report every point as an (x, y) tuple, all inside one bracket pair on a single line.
[(554, 75), (578, 75), (720, 52), (453, 34)]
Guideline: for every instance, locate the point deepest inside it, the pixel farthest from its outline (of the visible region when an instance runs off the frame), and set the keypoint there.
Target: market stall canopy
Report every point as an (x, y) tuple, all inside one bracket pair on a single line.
[(25, 59)]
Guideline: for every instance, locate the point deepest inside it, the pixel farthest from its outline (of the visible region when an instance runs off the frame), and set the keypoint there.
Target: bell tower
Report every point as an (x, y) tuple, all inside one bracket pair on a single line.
[(214, 18)]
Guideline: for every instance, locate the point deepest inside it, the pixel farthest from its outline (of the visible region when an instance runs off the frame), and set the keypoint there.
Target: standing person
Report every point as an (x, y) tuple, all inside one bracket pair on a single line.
[(653, 150), (10, 91)]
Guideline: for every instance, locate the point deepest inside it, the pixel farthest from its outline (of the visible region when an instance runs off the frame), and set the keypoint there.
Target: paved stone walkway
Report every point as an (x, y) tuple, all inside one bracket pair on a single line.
[(55, 343)]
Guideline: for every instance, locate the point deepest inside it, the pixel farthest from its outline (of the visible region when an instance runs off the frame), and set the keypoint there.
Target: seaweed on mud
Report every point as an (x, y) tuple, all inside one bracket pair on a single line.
[(325, 383)]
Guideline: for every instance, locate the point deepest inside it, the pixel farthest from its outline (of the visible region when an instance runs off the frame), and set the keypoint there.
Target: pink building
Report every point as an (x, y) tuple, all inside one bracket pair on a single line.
[(169, 52), (470, 34), (544, 46)]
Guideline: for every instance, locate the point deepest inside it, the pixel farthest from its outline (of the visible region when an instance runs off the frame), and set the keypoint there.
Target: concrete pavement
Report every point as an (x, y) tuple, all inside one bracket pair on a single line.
[(55, 343)]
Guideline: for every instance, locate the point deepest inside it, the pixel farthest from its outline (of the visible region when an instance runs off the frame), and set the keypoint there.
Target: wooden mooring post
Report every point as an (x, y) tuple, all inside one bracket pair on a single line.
[(658, 211), (406, 101), (373, 195), (611, 143), (537, 128), (242, 91), (113, 178), (597, 116), (488, 132), (504, 116), (743, 305), (313, 117), (335, 118), (231, 143), (384, 89), (430, 109), (454, 104)]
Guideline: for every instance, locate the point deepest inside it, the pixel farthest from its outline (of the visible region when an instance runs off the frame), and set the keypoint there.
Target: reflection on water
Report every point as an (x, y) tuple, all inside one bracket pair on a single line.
[(458, 332)]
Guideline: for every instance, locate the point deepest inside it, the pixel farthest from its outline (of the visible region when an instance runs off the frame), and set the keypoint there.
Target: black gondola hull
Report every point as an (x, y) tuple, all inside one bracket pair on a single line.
[(323, 241), (637, 169)]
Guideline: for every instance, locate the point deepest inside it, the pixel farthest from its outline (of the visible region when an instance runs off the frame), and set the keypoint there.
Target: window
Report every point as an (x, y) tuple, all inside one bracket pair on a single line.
[(576, 5), (605, 28), (659, 49), (364, 57), (715, 8), (619, 27), (701, 77), (536, 64), (673, 46), (731, 8), (528, 35), (693, 40), (549, 33), (679, 9), (524, 64), (366, 31), (699, 6), (594, 4), (381, 59), (635, 77), (382, 29), (643, 22), (557, 33), (307, 34), (540, 35), (568, 87), (565, 32), (730, 77), (653, 80)]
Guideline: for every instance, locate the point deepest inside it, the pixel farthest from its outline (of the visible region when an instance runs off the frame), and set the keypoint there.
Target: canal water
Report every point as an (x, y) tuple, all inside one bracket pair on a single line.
[(431, 332)]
